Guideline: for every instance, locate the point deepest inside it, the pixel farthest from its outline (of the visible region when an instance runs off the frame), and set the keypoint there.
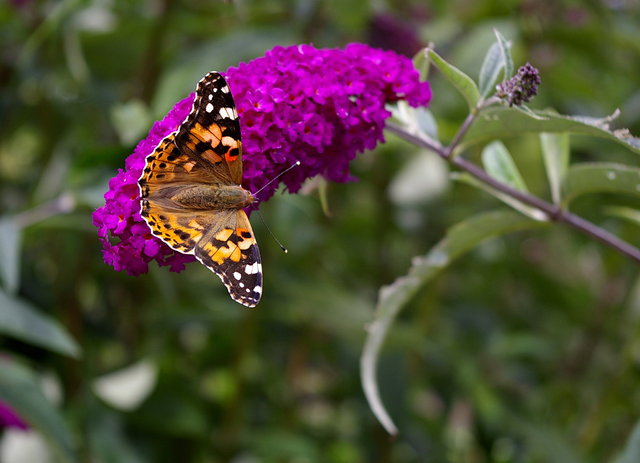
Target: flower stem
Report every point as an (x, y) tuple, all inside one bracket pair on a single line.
[(447, 153), (553, 212)]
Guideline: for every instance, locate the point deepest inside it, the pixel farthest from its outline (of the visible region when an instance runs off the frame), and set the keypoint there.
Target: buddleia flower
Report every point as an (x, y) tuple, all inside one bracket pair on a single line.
[(320, 107)]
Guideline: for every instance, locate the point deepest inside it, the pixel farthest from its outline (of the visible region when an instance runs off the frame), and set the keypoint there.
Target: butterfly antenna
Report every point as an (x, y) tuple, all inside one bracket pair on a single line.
[(285, 250), (295, 164)]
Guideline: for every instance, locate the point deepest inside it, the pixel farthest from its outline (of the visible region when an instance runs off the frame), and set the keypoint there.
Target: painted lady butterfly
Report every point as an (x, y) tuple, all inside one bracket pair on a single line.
[(191, 196)]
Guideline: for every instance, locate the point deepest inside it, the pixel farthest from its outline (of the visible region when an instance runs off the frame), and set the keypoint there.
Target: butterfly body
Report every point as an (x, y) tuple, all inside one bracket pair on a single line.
[(191, 195), (213, 197)]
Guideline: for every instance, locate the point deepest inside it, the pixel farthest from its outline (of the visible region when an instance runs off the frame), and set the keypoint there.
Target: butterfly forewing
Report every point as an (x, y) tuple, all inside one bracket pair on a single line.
[(212, 131), (204, 152)]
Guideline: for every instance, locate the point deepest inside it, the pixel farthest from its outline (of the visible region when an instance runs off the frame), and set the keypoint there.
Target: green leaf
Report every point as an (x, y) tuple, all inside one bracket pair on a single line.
[(527, 210), (627, 213), (546, 442), (465, 84), (20, 389), (601, 177), (323, 194), (500, 122), (391, 299), (10, 242), (490, 70), (20, 320), (110, 443), (497, 59), (421, 63), (631, 451), (555, 153), (418, 121), (131, 120), (505, 51), (499, 164)]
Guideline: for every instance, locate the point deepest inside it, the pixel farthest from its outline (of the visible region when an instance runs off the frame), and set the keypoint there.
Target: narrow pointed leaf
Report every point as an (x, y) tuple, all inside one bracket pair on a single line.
[(421, 63), (499, 164), (22, 321), (20, 389), (525, 209), (601, 177), (417, 121), (490, 70), (10, 242), (505, 51), (631, 451), (627, 213), (501, 122), (460, 239), (555, 153), (463, 83)]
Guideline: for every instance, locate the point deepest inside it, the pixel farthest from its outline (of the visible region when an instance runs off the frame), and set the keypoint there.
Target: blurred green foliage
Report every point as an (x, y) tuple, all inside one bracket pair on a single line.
[(526, 350)]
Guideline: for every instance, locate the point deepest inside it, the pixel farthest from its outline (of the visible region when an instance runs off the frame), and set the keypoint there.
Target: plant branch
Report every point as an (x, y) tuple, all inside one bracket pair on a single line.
[(553, 212), (447, 152)]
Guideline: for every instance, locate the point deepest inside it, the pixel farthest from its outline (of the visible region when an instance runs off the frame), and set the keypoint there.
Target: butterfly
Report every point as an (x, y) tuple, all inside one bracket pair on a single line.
[(191, 195)]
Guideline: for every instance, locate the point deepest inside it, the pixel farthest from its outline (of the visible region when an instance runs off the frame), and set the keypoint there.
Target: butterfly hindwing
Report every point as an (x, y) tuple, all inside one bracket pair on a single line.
[(231, 251), (204, 153)]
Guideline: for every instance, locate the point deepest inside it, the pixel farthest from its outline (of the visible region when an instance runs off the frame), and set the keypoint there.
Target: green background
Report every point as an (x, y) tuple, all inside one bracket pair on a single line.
[(525, 350)]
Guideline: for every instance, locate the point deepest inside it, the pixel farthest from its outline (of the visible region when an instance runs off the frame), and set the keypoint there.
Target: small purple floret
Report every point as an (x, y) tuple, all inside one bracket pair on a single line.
[(10, 419)]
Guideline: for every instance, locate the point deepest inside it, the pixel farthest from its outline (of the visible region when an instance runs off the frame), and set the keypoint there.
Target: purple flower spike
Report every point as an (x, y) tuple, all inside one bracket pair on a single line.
[(317, 106), (119, 219)]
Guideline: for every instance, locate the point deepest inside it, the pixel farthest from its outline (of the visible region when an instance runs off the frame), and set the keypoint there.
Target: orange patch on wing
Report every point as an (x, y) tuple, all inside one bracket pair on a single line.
[(223, 253), (224, 234), (212, 156), (245, 243), (211, 134), (188, 166)]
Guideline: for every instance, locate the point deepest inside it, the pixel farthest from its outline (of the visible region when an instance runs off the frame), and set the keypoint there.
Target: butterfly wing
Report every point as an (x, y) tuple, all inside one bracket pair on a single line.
[(231, 252), (206, 149), (166, 172), (211, 133)]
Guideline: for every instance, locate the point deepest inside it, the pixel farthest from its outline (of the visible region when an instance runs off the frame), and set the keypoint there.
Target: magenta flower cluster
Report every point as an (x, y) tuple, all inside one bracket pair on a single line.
[(9, 418), (320, 107), (127, 242), (317, 106)]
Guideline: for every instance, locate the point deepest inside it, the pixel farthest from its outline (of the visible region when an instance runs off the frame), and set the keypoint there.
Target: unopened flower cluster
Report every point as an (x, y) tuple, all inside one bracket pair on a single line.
[(317, 106), (521, 87)]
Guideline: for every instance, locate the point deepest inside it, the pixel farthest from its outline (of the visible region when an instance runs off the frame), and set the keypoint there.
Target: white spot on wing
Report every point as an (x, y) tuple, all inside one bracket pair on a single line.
[(257, 289), (225, 89), (253, 269), (209, 107), (227, 113), (229, 141), (237, 275), (211, 96)]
